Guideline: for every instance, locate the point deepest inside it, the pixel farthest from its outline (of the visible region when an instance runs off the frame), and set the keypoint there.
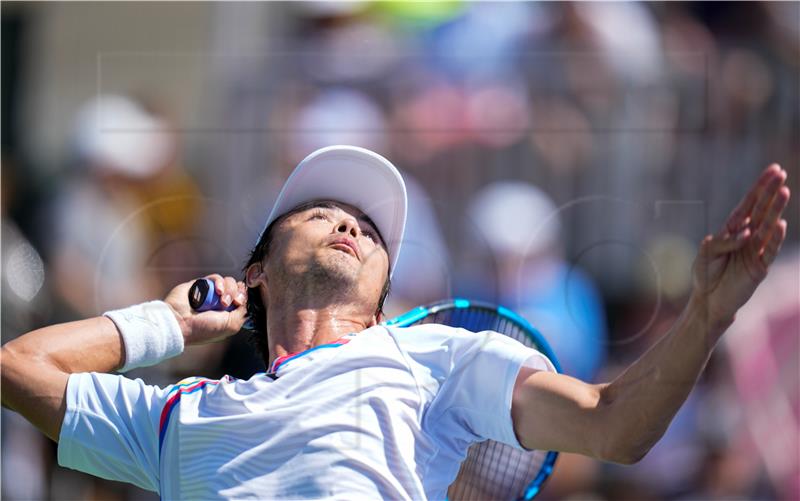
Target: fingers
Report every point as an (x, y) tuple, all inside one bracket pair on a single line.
[(756, 193), (774, 245), (730, 230), (219, 282), (765, 200), (713, 246), (769, 222), (229, 289), (241, 294)]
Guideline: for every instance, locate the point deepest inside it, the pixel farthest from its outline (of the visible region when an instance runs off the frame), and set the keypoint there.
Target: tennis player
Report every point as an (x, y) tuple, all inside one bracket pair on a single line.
[(347, 408)]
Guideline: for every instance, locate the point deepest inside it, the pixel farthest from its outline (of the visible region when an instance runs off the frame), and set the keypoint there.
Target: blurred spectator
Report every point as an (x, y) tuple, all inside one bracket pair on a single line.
[(521, 227), (123, 206), (99, 245), (337, 116)]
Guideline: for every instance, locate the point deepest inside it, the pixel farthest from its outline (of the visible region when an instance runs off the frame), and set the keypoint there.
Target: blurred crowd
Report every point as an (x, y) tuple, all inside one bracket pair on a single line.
[(562, 159)]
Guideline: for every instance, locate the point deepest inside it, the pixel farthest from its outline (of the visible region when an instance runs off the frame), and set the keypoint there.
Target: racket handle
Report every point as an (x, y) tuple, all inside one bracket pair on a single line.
[(203, 297)]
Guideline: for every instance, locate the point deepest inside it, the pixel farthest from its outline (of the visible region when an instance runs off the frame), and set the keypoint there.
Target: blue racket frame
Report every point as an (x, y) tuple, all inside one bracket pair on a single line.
[(421, 312)]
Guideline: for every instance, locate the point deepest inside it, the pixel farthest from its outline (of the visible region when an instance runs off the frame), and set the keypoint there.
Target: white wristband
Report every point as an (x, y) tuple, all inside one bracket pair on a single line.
[(150, 333)]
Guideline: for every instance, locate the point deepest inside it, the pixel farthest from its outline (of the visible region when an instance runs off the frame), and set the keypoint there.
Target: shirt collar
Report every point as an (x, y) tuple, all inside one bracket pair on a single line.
[(280, 364)]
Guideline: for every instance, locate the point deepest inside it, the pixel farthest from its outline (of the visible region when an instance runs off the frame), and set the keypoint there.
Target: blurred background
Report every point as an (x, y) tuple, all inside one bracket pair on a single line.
[(563, 159)]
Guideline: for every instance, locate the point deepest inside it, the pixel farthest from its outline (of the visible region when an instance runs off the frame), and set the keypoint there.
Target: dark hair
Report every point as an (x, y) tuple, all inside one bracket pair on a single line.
[(256, 310)]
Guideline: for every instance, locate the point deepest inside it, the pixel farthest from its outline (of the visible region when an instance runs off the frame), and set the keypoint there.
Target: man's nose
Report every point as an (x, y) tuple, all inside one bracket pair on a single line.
[(348, 225)]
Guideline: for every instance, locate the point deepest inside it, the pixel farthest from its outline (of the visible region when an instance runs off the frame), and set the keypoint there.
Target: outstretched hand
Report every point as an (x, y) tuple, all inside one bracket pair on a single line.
[(732, 263)]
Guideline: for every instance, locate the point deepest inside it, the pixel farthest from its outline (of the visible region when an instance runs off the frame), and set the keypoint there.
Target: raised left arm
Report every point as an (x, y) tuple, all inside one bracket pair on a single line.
[(622, 420)]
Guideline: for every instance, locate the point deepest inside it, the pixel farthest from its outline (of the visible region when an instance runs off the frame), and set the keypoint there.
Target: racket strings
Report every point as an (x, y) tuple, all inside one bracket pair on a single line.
[(492, 470)]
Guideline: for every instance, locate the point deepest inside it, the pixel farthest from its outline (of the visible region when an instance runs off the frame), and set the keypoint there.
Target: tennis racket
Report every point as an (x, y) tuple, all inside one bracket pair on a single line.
[(492, 470)]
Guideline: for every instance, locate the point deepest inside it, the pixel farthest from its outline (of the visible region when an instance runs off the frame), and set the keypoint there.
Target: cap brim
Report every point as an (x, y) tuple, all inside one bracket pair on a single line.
[(355, 176)]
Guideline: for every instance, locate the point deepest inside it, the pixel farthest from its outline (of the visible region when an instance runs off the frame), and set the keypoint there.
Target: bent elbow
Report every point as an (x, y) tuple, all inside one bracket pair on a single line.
[(627, 455), (632, 458), (628, 435), (620, 448)]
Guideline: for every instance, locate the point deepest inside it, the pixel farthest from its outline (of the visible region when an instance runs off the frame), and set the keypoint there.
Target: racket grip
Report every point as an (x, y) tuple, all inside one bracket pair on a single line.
[(203, 297)]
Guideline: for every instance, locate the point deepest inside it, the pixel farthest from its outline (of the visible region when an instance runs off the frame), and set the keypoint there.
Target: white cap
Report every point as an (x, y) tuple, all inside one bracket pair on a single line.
[(515, 218), (116, 133), (355, 176)]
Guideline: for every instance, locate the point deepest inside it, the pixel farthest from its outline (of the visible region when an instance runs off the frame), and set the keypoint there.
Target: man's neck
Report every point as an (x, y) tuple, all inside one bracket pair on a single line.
[(300, 329)]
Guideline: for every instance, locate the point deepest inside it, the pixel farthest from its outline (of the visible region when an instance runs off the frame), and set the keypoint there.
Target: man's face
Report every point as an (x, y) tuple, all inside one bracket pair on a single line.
[(334, 242)]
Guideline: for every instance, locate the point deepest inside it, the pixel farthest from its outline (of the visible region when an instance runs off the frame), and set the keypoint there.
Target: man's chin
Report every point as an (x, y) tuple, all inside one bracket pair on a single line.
[(339, 266)]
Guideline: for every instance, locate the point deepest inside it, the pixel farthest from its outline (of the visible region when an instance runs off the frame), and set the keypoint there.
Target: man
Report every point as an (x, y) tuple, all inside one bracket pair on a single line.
[(350, 409)]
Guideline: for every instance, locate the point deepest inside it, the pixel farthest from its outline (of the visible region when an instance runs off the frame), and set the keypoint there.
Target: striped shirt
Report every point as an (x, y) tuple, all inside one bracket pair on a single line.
[(386, 413)]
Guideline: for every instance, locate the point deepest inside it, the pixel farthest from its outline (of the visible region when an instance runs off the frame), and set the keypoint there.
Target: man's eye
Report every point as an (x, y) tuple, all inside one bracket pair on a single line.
[(318, 215)]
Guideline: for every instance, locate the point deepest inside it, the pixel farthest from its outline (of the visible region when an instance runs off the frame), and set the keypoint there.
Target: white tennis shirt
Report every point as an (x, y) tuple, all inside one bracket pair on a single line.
[(387, 415)]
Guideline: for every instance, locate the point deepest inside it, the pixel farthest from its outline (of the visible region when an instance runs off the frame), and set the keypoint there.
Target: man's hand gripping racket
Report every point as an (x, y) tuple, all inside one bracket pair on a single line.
[(210, 309)]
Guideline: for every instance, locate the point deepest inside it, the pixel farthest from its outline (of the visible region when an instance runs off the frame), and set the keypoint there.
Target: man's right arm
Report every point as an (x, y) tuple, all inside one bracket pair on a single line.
[(35, 367)]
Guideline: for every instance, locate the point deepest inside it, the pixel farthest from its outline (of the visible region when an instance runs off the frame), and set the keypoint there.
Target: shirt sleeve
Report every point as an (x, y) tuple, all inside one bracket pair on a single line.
[(110, 428), (473, 402)]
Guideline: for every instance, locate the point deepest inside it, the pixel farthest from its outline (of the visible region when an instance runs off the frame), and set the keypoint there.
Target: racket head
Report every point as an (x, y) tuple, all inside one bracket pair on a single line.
[(491, 470)]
